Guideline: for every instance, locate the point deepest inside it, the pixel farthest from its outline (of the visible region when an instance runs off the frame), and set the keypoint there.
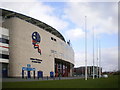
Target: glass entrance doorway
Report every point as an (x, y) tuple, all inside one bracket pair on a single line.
[(62, 68), (4, 70), (30, 71)]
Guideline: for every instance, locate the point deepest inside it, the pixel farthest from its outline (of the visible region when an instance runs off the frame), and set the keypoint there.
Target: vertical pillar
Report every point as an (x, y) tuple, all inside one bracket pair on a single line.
[(62, 69), (34, 74), (22, 73)]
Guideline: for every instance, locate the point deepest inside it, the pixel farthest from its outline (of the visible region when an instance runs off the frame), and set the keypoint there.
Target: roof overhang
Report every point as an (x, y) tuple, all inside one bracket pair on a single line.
[(6, 14)]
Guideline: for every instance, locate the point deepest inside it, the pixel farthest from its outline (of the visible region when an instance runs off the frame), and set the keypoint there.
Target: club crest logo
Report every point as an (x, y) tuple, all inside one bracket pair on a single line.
[(36, 40)]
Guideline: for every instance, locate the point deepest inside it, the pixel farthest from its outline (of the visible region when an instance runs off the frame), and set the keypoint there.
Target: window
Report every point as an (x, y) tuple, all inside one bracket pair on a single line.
[(4, 40), (53, 51), (53, 39), (4, 56)]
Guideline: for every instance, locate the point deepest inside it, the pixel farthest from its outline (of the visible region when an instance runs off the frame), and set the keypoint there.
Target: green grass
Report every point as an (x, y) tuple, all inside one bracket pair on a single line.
[(111, 82)]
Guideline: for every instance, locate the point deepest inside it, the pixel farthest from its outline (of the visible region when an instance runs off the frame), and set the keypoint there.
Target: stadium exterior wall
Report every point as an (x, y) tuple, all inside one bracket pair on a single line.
[(23, 53)]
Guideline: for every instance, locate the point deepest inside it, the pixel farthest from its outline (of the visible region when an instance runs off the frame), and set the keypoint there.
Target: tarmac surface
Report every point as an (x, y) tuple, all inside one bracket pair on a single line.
[(36, 79)]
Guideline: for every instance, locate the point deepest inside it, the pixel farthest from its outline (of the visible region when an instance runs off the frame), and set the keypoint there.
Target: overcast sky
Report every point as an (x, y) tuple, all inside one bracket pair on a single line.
[(69, 19)]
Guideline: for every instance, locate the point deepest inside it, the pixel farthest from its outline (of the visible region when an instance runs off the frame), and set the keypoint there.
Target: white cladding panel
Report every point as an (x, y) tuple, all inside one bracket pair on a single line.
[(4, 31), (4, 60)]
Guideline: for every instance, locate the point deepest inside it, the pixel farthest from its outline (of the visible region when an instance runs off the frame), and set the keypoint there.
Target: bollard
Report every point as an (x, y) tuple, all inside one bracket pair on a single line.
[(53, 78), (59, 77)]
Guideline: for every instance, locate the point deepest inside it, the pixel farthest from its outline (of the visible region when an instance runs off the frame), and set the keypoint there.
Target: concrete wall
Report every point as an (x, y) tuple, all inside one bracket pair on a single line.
[(21, 48)]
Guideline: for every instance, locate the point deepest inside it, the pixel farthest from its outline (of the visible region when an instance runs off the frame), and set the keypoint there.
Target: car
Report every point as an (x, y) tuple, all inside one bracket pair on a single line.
[(105, 76)]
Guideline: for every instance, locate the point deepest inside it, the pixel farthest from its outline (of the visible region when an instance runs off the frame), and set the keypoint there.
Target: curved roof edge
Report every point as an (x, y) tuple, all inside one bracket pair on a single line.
[(8, 14)]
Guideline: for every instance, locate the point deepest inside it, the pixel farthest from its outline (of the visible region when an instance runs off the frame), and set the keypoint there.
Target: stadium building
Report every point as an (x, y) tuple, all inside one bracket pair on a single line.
[(80, 71), (31, 48)]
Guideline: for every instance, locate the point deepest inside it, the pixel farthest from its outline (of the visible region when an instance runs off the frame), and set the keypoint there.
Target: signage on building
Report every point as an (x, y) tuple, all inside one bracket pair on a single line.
[(28, 68), (36, 40), (35, 60)]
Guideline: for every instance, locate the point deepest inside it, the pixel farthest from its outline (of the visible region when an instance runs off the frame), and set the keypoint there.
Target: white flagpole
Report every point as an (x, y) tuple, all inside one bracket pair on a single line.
[(99, 59), (85, 49), (93, 55)]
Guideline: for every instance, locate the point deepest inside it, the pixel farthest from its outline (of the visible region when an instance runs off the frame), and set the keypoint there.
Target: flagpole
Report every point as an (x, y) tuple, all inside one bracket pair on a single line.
[(99, 59), (85, 49), (93, 55)]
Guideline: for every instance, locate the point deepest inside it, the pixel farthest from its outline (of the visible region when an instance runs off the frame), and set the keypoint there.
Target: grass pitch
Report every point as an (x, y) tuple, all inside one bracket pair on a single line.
[(110, 82)]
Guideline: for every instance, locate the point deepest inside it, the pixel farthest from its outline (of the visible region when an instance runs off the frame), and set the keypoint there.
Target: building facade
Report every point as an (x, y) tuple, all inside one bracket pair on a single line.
[(81, 71), (31, 48)]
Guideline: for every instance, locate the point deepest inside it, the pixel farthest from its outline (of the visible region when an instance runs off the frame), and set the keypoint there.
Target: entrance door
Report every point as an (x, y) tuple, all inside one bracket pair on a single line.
[(29, 76), (40, 74), (4, 70)]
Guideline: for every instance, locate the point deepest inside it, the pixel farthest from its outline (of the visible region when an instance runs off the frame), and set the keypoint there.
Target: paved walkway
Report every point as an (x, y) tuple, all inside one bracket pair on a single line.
[(36, 79)]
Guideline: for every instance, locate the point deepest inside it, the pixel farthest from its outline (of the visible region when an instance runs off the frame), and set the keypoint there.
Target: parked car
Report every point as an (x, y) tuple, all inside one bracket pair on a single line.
[(105, 76)]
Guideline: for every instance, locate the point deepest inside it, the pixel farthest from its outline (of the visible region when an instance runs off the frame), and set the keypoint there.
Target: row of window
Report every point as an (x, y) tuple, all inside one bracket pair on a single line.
[(4, 56), (4, 40), (53, 39), (53, 51)]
